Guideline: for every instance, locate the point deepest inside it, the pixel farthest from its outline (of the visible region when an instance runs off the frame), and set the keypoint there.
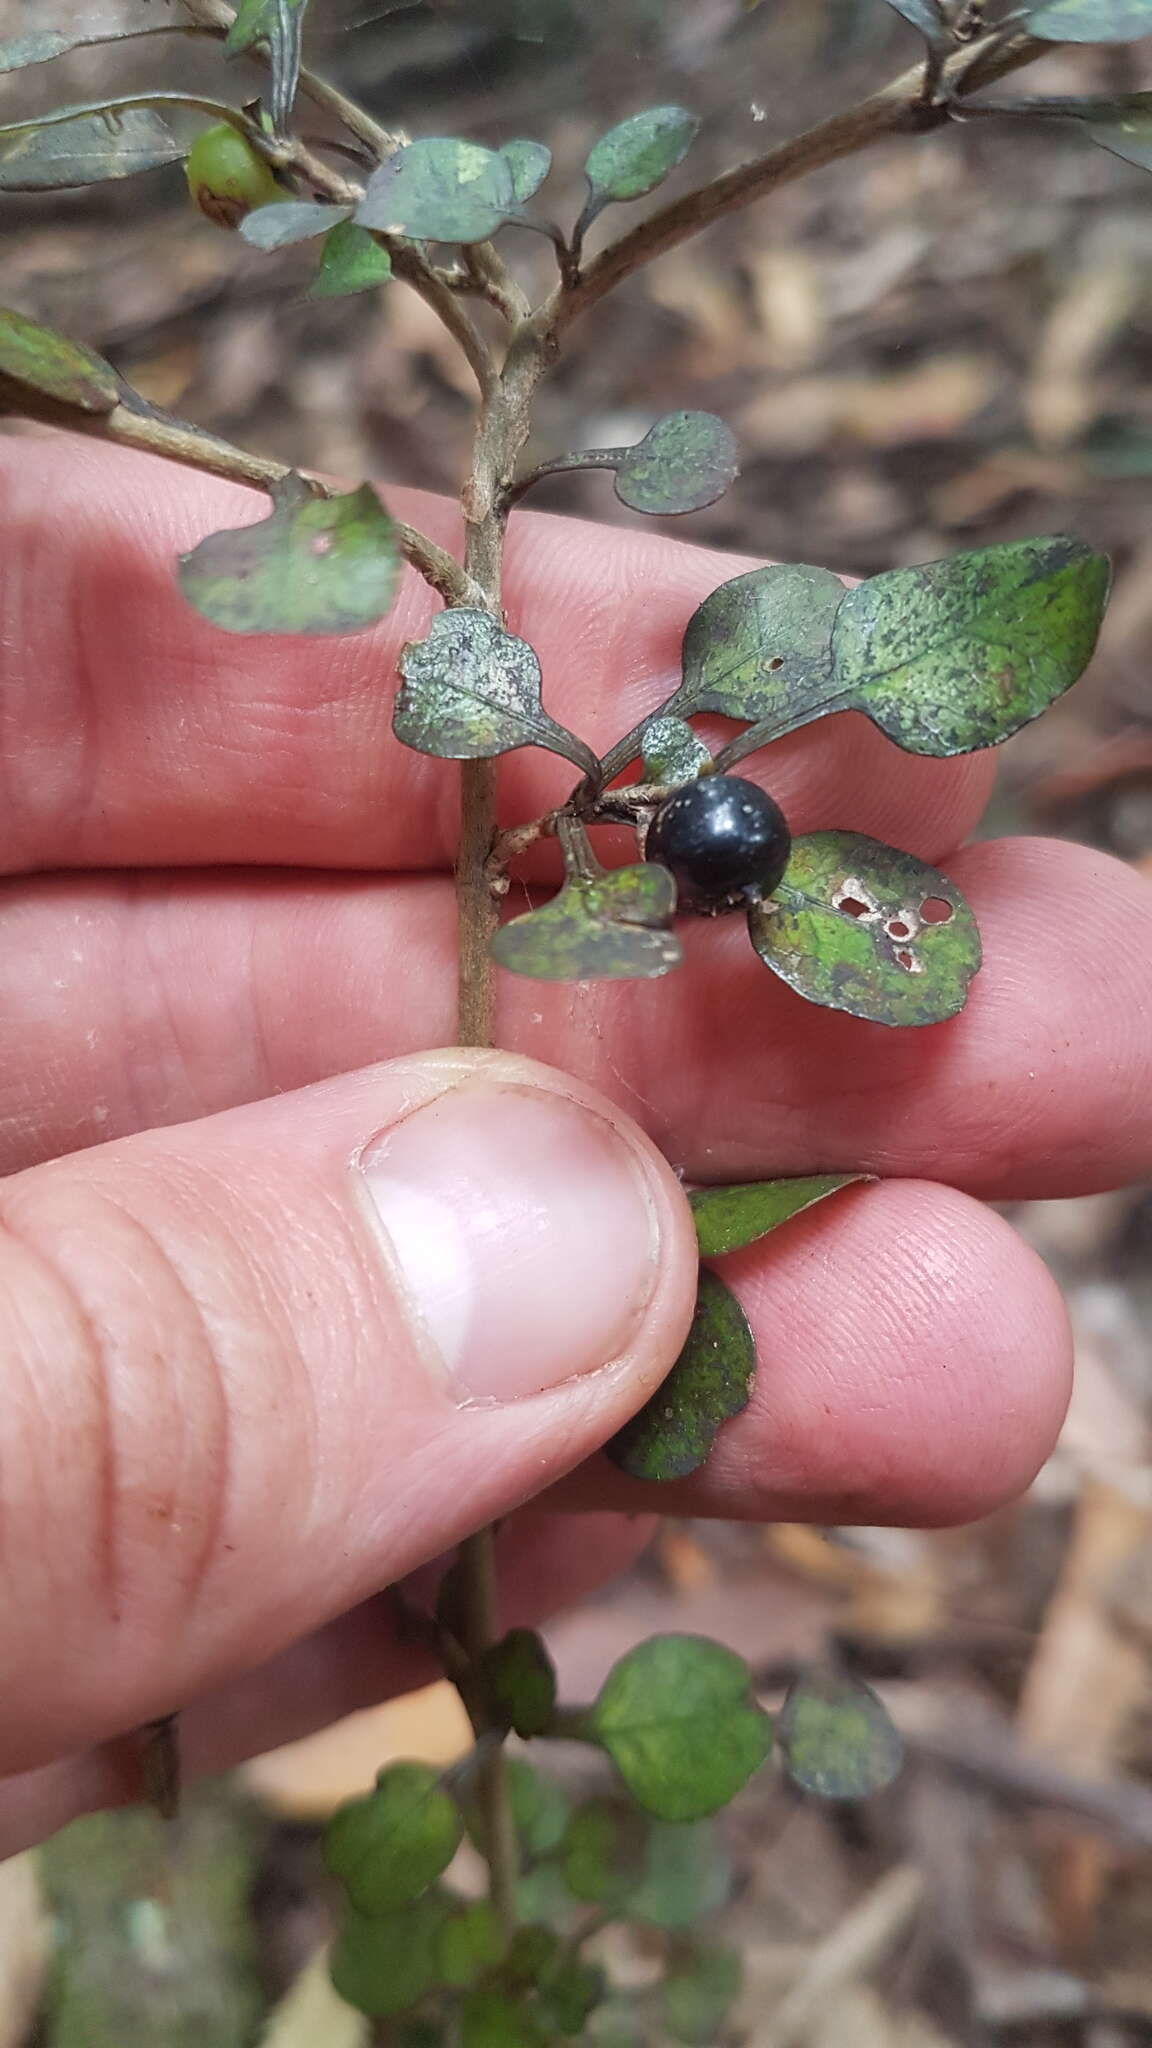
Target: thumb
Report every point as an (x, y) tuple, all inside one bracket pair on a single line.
[(258, 1367)]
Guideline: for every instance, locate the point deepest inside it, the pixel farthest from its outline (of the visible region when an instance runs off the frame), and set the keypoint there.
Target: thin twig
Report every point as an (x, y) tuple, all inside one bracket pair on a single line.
[(209, 14), (478, 1587)]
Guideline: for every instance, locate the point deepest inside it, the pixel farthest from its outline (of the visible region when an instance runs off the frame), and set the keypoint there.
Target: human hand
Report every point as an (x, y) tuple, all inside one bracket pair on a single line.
[(225, 1422)]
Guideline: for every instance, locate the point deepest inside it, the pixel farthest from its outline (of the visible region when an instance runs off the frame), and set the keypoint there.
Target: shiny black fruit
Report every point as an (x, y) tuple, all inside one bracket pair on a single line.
[(726, 841)]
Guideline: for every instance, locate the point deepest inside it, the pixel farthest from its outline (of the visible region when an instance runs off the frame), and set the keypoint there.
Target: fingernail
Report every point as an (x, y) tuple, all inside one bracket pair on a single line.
[(523, 1231)]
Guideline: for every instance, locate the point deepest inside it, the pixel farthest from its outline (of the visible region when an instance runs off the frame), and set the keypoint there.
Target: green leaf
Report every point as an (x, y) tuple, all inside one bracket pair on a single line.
[(637, 155), (672, 752), (1091, 21), (315, 565), (605, 1853), (89, 150), (539, 1810), (667, 1875), (519, 1680), (288, 221), (442, 190), (612, 928), (542, 1893), (836, 1738), (470, 1943), (727, 1219), (687, 460), (861, 927), (924, 15), (678, 1719), (528, 165), (760, 646), (386, 1966), (491, 2019), (471, 690), (1125, 127), (959, 654), (711, 1381), (351, 260), (42, 360), (279, 24), (389, 1847), (569, 1995), (697, 1993)]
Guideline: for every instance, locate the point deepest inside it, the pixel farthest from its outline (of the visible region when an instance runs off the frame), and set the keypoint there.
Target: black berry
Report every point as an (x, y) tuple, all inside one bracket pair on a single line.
[(726, 841)]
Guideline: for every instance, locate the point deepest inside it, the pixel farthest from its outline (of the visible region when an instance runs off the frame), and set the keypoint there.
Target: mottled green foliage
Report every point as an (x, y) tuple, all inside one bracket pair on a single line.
[(687, 460), (539, 1811), (729, 1218), (315, 565), (390, 1846), (519, 1681), (1091, 21), (288, 221), (861, 927), (711, 1381), (678, 1719), (637, 155), (667, 1875), (836, 1738), (440, 189), (470, 1943), (605, 1852), (57, 155), (528, 165), (697, 1993), (672, 752), (471, 690), (352, 260), (959, 654), (41, 360), (612, 927), (385, 1965), (759, 647), (279, 24)]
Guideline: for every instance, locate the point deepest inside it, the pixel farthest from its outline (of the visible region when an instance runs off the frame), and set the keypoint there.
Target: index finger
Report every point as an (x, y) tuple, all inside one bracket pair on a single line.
[(134, 733)]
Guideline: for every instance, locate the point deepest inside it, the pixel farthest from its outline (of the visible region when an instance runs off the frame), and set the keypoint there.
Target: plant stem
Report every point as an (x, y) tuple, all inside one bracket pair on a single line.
[(478, 1587)]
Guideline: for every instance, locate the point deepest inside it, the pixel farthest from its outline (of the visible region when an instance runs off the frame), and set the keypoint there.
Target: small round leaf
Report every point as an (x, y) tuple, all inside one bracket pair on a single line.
[(727, 1219), (637, 155), (471, 690), (687, 460), (470, 1942), (711, 1381), (836, 1738), (440, 189), (352, 260), (687, 1876), (759, 646), (605, 1853), (386, 1966), (288, 221), (697, 1993), (42, 360), (519, 1680), (539, 1811), (613, 928), (316, 565), (678, 1719), (861, 927), (389, 1847), (1091, 21)]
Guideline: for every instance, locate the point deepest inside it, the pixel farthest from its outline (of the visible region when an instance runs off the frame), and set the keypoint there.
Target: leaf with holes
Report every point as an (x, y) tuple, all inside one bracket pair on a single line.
[(1091, 21), (38, 359), (390, 1846), (672, 752), (279, 24), (687, 460), (519, 1681), (316, 565), (862, 927), (926, 15), (63, 155), (759, 647), (288, 221), (386, 1965), (729, 1218), (711, 1381), (351, 260), (959, 654), (472, 690), (528, 165), (1123, 126), (614, 927), (679, 1721), (698, 1991), (441, 190), (836, 1738), (637, 155)]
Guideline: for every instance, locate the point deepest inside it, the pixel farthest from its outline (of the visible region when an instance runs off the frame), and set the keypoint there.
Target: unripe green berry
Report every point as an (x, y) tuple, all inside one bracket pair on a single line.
[(227, 178)]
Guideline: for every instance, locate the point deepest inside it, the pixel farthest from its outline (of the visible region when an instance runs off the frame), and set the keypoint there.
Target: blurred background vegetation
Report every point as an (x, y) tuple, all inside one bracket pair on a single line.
[(936, 345)]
